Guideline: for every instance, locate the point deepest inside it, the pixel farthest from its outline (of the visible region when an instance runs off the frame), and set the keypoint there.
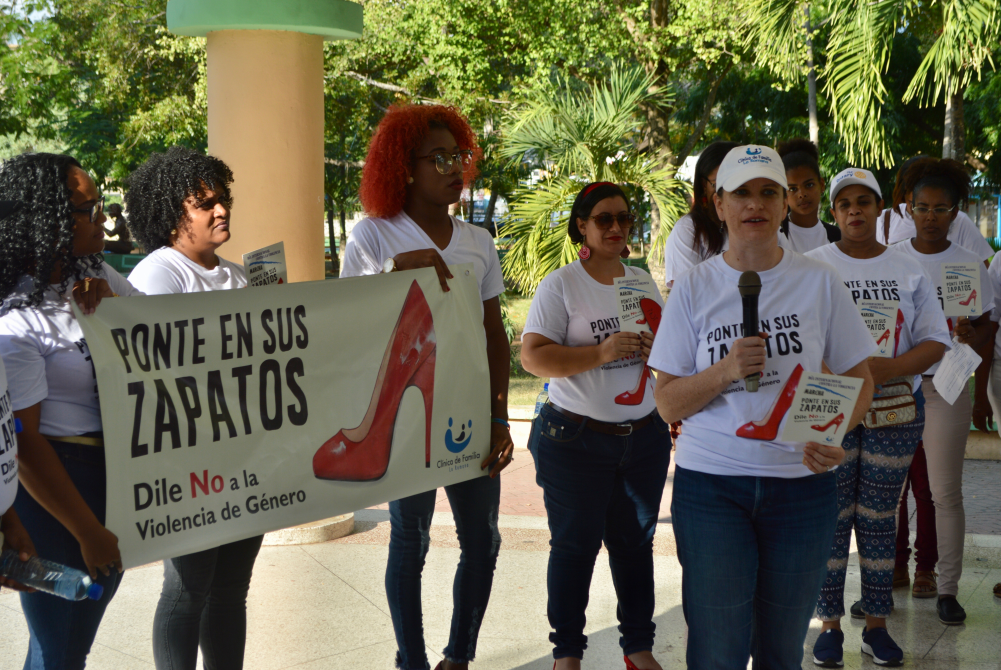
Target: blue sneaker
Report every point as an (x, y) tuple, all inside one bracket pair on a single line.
[(884, 651), (828, 650)]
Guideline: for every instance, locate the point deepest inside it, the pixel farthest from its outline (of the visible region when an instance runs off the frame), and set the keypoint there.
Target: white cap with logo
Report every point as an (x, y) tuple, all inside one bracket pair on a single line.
[(851, 176), (751, 161)]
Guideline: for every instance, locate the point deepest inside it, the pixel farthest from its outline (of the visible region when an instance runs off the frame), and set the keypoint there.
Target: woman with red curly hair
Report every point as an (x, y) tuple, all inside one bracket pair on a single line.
[(420, 159)]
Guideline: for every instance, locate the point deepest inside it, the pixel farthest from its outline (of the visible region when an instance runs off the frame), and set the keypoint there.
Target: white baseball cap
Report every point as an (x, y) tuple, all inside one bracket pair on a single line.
[(751, 161), (851, 176)]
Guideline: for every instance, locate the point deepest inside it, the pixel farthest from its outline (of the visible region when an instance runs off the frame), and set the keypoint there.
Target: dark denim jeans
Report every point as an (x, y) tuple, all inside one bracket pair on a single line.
[(475, 506), (204, 600), (753, 552), (600, 487), (61, 632)]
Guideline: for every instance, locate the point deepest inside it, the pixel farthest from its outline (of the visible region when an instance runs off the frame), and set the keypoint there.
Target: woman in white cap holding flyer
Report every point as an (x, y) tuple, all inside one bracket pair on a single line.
[(900, 307), (754, 515)]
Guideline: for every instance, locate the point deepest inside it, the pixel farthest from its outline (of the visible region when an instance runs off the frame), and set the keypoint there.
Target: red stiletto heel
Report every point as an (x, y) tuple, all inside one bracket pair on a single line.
[(836, 422), (651, 312), (896, 332), (768, 428), (973, 297), (361, 454), (885, 337)]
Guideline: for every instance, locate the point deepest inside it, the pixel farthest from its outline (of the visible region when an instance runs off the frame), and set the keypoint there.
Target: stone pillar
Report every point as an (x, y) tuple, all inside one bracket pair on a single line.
[(265, 100)]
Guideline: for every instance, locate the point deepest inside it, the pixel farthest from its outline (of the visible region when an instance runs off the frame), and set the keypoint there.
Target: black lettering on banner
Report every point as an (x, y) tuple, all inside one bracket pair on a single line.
[(302, 340), (271, 366), (138, 389), (271, 344), (161, 346), (144, 330), (218, 410), (241, 373), (282, 330), (226, 338), (196, 358), (294, 368), (244, 336), (187, 389), (121, 339), (166, 418), (180, 325)]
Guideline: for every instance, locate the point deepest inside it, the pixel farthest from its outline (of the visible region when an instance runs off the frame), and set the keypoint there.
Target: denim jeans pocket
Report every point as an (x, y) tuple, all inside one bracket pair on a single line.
[(552, 426)]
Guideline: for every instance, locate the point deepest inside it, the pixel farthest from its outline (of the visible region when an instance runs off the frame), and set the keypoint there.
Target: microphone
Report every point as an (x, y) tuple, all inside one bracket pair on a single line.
[(749, 285)]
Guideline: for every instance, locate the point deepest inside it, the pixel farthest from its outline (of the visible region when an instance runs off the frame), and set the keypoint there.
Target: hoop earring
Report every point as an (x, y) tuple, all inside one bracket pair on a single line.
[(583, 253)]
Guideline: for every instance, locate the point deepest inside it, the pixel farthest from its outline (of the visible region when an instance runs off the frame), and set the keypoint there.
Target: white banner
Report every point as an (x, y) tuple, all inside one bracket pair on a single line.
[(229, 414)]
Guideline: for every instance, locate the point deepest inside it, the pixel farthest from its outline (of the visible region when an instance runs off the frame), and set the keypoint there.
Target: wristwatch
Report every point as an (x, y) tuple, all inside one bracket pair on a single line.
[(389, 265)]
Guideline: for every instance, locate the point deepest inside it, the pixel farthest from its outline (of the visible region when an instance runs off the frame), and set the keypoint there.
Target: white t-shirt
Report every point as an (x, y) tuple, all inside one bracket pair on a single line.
[(8, 447), (167, 270), (680, 254), (374, 240), (802, 240), (572, 309), (48, 361), (811, 319), (963, 231), (893, 275), (931, 264), (994, 275)]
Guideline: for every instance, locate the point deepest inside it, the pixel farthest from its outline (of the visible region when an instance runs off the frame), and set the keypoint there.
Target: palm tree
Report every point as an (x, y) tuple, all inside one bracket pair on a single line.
[(574, 133)]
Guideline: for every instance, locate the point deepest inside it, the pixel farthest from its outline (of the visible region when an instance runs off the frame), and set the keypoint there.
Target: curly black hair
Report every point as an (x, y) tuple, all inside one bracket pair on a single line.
[(158, 188), (38, 236)]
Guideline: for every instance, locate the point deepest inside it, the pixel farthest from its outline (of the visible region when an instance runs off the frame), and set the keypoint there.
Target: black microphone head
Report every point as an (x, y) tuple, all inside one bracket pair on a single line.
[(749, 283)]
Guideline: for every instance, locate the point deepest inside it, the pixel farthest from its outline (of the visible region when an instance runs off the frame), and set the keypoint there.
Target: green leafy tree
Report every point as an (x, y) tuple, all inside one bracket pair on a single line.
[(578, 133)]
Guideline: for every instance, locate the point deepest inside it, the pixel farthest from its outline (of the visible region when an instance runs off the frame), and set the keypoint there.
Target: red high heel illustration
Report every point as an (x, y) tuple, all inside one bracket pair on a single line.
[(972, 296), (896, 333), (767, 429), (885, 337), (361, 454), (836, 422), (652, 312)]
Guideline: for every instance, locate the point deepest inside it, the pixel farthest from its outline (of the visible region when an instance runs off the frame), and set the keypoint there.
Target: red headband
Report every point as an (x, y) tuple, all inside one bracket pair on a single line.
[(596, 185)]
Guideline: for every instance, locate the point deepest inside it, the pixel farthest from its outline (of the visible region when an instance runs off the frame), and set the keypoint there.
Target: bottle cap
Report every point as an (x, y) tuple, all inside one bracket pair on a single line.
[(95, 591), (546, 387), (18, 426)]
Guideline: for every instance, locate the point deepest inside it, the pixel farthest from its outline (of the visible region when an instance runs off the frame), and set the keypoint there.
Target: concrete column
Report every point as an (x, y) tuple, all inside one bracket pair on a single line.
[(265, 99)]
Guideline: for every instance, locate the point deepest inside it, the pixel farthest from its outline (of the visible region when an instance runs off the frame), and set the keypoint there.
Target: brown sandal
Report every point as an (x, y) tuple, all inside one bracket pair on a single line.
[(997, 590), (925, 584), (901, 577)]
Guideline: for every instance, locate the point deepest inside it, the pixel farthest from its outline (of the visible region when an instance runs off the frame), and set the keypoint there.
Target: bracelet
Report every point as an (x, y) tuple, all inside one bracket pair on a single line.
[(502, 422)]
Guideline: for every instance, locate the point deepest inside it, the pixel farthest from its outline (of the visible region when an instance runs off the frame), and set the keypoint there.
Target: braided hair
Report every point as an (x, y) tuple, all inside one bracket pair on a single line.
[(158, 188), (38, 236)]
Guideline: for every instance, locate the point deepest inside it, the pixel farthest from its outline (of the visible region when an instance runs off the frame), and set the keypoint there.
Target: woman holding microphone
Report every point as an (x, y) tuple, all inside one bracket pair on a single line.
[(753, 515), (879, 455), (601, 451)]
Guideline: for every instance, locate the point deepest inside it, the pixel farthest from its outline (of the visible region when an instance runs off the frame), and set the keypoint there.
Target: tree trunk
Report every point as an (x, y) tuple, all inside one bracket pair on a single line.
[(954, 134), (488, 216), (811, 78), (335, 266)]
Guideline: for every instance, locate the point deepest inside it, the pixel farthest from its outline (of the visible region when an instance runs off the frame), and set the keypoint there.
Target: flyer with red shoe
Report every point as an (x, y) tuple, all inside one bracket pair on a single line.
[(821, 408), (228, 414)]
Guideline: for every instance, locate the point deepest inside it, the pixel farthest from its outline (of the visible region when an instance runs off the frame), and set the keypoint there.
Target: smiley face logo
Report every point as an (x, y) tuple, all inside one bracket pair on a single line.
[(460, 442)]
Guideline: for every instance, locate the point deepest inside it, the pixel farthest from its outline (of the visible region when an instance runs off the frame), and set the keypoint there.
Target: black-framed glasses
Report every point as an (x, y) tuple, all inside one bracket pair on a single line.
[(937, 211), (93, 211), (444, 161), (606, 219)]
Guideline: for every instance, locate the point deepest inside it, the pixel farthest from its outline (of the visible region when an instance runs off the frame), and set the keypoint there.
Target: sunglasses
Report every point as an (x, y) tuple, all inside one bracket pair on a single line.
[(443, 162), (605, 220), (93, 211)]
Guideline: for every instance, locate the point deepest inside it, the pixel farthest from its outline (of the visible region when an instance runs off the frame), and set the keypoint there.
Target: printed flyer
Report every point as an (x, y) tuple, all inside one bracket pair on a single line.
[(881, 317), (630, 292), (960, 282), (266, 266), (821, 408), (229, 414), (955, 370)]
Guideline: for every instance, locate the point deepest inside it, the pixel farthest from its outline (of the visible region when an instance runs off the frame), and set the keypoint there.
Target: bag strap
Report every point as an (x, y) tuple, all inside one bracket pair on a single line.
[(833, 232), (886, 227)]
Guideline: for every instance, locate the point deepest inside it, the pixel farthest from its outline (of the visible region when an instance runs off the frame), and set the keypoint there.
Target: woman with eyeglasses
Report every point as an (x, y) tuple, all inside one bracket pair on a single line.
[(49, 249), (601, 450), (939, 189), (420, 159)]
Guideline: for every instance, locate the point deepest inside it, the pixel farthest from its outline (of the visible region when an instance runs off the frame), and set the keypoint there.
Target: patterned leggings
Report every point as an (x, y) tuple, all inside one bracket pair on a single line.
[(869, 485)]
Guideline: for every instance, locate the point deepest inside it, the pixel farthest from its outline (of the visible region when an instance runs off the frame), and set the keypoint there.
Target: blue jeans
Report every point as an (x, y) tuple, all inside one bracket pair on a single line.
[(600, 487), (61, 632), (475, 506), (204, 599), (869, 485), (753, 552)]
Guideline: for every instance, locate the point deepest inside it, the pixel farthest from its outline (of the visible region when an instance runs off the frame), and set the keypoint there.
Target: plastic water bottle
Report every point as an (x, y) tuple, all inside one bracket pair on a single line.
[(542, 399), (49, 577)]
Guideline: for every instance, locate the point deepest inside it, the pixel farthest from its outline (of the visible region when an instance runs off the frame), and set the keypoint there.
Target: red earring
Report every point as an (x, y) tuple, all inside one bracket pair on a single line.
[(584, 253), (625, 252)]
